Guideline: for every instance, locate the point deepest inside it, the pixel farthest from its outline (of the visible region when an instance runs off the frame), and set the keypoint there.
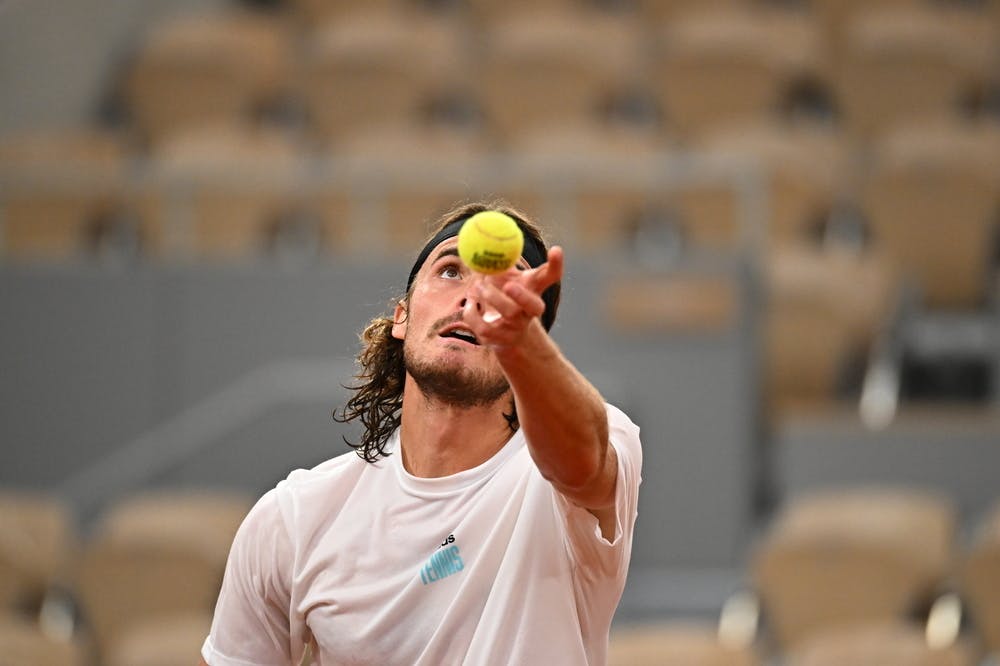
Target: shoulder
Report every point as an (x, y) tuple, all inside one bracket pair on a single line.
[(329, 471), (616, 417), (307, 498)]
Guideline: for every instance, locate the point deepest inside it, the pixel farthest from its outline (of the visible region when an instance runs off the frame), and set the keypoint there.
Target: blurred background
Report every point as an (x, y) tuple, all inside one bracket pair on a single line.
[(782, 224)]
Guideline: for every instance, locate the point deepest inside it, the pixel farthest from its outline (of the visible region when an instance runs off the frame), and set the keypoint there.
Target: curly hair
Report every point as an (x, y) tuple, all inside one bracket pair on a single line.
[(377, 398)]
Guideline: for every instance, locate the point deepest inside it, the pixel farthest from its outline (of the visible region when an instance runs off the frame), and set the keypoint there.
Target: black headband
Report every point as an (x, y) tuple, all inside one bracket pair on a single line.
[(534, 251)]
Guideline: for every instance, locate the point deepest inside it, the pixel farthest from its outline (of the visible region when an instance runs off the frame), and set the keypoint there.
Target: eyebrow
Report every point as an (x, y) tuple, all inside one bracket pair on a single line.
[(448, 252)]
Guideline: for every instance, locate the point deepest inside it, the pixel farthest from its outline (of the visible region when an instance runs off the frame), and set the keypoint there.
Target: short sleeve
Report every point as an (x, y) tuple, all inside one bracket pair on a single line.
[(251, 625), (585, 541)]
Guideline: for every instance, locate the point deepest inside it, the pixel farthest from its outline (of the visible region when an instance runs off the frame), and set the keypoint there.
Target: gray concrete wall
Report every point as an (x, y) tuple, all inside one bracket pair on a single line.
[(954, 451), (92, 359)]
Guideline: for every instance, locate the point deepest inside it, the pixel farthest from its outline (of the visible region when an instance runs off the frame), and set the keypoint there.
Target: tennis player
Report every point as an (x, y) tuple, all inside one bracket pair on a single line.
[(486, 514)]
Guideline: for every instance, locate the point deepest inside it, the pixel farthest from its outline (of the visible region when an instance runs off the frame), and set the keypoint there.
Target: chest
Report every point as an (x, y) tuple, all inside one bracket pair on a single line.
[(395, 573)]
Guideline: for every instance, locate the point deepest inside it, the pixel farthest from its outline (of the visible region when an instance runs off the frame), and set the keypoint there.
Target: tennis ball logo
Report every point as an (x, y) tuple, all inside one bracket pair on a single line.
[(490, 242)]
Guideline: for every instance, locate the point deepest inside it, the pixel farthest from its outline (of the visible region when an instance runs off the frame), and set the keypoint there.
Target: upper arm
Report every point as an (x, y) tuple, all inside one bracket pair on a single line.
[(615, 519)]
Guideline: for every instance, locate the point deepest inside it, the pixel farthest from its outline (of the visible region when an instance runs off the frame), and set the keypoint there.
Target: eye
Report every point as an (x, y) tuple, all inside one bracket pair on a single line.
[(450, 272)]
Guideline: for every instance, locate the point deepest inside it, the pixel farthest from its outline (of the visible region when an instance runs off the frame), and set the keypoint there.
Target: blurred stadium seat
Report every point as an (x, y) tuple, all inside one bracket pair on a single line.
[(658, 12), (979, 578), (230, 192), (377, 69), (37, 548), (675, 643), (155, 557), (803, 168), (484, 12), (66, 198), (316, 12), (834, 15), (932, 198), (538, 70), (891, 644), (824, 311), (206, 69), (713, 68), (911, 64), (23, 643), (162, 642), (851, 556)]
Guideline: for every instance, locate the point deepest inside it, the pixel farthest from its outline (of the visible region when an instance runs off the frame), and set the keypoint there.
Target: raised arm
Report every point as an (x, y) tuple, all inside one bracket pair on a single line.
[(562, 414)]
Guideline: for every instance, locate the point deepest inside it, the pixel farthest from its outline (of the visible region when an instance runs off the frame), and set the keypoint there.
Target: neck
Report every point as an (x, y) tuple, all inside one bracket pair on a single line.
[(439, 440)]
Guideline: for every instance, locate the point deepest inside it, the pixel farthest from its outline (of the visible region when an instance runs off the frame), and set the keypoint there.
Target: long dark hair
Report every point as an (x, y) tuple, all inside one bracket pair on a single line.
[(378, 393)]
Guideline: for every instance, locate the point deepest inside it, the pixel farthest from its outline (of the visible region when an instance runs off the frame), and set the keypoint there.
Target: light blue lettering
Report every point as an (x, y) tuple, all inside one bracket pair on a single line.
[(441, 564)]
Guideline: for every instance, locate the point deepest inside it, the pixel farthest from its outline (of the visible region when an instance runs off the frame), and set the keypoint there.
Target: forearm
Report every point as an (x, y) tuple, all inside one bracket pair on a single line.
[(563, 418)]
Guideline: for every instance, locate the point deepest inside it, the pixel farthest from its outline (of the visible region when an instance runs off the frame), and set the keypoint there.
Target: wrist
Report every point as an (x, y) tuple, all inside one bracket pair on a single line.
[(533, 346)]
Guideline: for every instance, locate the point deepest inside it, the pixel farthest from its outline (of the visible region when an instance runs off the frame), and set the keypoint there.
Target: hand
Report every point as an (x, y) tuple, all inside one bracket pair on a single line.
[(500, 308)]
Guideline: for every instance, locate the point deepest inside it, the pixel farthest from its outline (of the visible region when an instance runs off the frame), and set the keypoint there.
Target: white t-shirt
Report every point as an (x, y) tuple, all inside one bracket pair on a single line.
[(490, 566)]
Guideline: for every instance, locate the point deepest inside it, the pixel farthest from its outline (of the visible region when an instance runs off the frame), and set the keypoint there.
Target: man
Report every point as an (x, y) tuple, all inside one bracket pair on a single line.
[(487, 518)]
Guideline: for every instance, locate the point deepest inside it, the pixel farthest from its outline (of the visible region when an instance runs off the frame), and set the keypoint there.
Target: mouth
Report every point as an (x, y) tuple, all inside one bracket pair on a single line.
[(463, 334)]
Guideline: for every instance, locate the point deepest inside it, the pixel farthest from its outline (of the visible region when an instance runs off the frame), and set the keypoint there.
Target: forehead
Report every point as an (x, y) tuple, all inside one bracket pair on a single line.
[(446, 248)]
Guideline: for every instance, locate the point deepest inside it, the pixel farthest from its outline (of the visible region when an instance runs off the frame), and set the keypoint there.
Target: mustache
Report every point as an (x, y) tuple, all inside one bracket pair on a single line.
[(444, 321)]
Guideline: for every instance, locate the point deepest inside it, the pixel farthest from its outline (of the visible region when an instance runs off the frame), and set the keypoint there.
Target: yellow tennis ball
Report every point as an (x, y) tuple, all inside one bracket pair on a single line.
[(490, 242)]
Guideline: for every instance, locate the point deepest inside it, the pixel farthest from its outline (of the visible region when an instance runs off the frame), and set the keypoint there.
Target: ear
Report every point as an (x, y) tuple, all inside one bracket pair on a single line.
[(399, 321)]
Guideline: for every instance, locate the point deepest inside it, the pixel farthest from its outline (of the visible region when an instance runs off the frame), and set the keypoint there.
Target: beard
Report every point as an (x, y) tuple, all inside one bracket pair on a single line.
[(455, 386)]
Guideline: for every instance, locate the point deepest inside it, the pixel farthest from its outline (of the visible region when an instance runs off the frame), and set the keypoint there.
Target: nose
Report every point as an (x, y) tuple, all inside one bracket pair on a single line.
[(468, 300)]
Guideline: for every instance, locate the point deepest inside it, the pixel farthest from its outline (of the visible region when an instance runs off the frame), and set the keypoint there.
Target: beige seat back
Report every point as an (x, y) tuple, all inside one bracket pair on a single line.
[(222, 191), (885, 645), (37, 543), (23, 643), (854, 556), (932, 198), (376, 69), (824, 310), (154, 557), (546, 70), (980, 581), (165, 641), (207, 69), (61, 184), (715, 68), (913, 63), (675, 644)]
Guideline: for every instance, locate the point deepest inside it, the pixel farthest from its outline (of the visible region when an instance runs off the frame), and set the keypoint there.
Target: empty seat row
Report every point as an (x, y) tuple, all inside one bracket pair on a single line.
[(843, 557), (848, 575), (520, 72), (926, 198), (137, 591), (697, 643), (847, 562)]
